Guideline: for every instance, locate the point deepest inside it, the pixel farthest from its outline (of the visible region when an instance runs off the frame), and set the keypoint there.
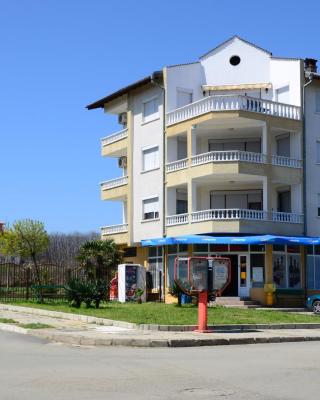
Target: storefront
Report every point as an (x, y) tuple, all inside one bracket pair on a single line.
[(292, 264)]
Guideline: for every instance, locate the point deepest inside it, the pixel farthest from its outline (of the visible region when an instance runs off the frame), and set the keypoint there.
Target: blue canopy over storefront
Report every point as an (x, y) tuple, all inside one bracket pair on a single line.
[(206, 239)]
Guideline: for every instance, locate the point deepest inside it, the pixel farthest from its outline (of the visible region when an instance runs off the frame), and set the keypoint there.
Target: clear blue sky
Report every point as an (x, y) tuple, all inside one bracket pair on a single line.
[(58, 56)]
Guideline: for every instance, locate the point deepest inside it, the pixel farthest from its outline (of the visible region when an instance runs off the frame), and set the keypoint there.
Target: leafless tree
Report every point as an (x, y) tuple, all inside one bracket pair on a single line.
[(63, 248)]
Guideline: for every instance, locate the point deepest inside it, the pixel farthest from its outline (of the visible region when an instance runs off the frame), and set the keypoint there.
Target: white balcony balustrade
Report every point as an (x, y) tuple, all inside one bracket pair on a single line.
[(178, 219), (113, 183), (226, 214), (234, 214), (231, 155), (286, 162), (114, 229), (115, 137), (233, 103), (176, 165), (286, 217)]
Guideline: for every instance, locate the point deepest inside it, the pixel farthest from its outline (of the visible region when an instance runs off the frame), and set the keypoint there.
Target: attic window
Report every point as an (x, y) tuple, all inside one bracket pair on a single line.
[(235, 60)]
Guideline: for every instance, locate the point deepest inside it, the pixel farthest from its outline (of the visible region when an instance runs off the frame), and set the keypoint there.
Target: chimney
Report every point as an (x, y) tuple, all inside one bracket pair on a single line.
[(310, 64)]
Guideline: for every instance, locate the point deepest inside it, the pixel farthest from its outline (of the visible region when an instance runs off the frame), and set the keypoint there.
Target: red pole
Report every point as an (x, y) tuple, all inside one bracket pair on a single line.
[(203, 313)]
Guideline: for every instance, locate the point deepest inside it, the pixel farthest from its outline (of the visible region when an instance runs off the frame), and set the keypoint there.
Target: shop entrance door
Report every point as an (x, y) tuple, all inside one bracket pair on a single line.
[(243, 275), (232, 289)]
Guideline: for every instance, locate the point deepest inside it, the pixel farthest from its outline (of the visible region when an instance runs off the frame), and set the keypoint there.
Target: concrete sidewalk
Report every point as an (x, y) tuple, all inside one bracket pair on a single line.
[(89, 331)]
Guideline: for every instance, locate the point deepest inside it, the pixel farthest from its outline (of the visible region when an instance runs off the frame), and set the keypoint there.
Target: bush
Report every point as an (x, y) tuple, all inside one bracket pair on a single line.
[(175, 291), (86, 291)]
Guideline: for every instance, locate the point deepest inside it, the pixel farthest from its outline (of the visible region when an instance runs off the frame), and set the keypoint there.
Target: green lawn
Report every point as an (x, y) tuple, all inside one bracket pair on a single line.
[(170, 314)]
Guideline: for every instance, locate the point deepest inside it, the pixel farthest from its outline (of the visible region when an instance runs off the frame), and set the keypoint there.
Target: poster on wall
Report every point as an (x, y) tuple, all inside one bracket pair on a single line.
[(257, 277), (131, 282)]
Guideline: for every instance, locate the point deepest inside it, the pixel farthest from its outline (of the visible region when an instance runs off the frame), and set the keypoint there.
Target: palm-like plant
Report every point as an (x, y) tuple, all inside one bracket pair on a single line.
[(100, 258)]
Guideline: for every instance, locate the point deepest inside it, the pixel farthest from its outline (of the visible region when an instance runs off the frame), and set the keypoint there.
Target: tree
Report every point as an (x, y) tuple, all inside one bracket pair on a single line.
[(100, 258), (27, 238)]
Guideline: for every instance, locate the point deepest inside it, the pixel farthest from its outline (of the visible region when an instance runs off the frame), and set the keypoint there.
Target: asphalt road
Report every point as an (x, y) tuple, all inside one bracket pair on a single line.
[(34, 369)]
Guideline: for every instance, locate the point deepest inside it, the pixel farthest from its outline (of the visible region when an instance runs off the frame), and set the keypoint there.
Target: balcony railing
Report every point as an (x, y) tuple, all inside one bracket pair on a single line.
[(233, 103), (176, 165), (114, 229), (231, 155), (178, 219), (286, 162), (113, 183), (224, 214), (234, 214), (114, 137), (286, 217)]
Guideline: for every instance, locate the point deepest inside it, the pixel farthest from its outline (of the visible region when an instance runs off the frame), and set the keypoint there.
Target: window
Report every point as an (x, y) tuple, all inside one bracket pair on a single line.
[(184, 97), (150, 158), (155, 268), (283, 146), (174, 251), (318, 205), (318, 152), (287, 269), (235, 60), (318, 101), (150, 208), (150, 110), (313, 269), (284, 201)]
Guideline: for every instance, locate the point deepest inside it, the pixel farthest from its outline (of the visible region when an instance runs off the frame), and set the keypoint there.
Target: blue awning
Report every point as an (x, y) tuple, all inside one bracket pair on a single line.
[(206, 239)]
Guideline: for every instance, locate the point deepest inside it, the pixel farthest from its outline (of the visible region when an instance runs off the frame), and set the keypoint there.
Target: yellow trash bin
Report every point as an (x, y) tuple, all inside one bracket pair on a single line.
[(269, 289)]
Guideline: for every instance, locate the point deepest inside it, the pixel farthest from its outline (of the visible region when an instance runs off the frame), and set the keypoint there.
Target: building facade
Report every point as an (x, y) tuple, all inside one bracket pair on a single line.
[(226, 146)]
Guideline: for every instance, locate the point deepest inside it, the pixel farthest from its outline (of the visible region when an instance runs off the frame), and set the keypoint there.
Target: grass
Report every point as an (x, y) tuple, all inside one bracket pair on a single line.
[(170, 314), (7, 321), (35, 325)]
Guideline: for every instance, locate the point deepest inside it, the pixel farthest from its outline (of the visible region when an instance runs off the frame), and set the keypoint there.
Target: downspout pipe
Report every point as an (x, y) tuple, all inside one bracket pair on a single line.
[(155, 81), (304, 153)]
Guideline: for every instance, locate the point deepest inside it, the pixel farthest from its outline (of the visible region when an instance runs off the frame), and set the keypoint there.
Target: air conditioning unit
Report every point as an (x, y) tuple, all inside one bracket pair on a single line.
[(122, 119), (122, 162)]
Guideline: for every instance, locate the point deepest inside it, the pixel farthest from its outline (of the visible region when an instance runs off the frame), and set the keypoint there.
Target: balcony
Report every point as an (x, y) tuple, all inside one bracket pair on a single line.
[(233, 103), (119, 233), (114, 189), (115, 145), (227, 156), (235, 221)]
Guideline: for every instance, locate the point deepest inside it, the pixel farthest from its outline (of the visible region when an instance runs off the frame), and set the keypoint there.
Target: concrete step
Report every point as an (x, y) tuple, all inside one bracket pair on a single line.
[(236, 302)]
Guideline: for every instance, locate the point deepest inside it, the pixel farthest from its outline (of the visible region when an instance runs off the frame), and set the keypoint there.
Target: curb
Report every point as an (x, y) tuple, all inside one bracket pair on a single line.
[(152, 343), (13, 328)]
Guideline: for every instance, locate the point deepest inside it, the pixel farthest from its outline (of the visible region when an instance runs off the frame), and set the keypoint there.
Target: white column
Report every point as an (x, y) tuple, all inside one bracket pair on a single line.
[(192, 196), (296, 199), (171, 201)]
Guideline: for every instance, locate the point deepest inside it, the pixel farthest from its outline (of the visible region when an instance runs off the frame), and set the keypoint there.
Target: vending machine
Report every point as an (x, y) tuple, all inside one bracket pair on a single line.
[(130, 278)]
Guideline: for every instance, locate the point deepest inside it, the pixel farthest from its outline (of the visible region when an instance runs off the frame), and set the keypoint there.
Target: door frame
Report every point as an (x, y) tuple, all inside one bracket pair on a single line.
[(244, 291)]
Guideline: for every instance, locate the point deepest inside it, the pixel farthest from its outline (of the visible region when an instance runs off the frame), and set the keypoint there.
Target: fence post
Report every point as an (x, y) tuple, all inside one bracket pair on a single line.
[(27, 284)]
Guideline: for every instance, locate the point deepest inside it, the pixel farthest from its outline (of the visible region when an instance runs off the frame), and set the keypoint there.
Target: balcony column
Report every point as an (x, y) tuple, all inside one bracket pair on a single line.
[(296, 198), (266, 141), (191, 141), (267, 194), (192, 197)]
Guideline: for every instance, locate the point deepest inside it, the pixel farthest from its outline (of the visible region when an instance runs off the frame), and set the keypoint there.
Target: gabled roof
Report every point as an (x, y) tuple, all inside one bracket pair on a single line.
[(230, 40), (157, 75)]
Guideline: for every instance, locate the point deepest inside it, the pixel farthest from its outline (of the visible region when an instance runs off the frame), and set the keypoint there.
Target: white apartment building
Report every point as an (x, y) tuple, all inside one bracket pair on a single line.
[(226, 146)]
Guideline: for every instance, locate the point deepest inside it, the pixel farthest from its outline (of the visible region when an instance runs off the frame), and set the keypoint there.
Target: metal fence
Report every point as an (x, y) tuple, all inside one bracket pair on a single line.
[(21, 281)]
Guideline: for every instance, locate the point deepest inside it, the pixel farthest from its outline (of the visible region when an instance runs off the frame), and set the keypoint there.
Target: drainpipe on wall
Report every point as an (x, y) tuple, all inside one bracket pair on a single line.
[(155, 82)]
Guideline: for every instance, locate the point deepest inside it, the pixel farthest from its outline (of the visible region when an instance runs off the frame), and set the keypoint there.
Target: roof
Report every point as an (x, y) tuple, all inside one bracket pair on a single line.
[(156, 75), (232, 38)]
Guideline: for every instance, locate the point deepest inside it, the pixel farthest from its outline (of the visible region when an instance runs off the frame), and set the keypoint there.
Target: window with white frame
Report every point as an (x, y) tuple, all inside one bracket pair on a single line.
[(150, 158), (286, 266), (151, 110), (318, 101), (318, 151), (313, 267), (150, 208), (184, 97), (155, 268)]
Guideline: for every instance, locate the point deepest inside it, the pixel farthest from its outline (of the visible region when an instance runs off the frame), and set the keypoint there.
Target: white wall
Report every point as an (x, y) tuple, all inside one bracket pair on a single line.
[(312, 168), (253, 68), (146, 184), (189, 76)]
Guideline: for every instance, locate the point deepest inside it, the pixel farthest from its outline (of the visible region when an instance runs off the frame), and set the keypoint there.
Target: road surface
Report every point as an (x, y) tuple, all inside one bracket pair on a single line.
[(34, 369)]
